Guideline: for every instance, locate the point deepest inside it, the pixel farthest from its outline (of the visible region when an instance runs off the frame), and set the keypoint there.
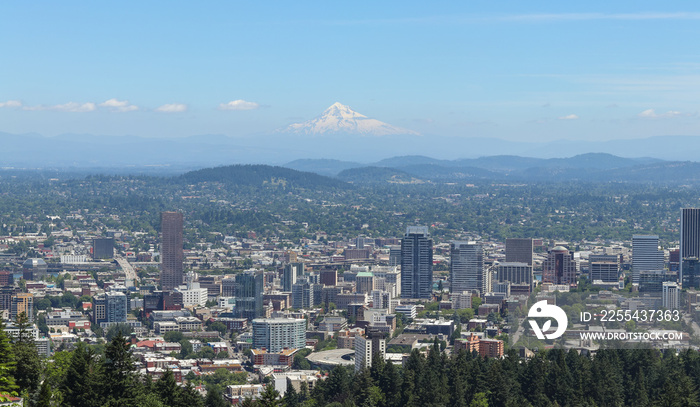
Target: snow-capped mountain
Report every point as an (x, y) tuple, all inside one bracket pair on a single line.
[(342, 119)]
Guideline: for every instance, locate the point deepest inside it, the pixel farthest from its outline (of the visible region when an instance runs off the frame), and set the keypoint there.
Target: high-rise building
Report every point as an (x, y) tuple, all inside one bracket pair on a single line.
[(290, 274), (519, 251), (467, 267), (559, 267), (110, 307), (690, 237), (605, 271), (646, 255), (249, 294), (604, 267), (193, 294), (515, 273), (394, 256), (416, 263), (6, 279), (651, 282), (6, 294), (670, 296), (691, 273), (381, 300), (302, 295), (228, 287), (364, 282), (22, 303), (102, 248), (275, 334), (461, 300), (367, 348), (172, 254), (329, 277)]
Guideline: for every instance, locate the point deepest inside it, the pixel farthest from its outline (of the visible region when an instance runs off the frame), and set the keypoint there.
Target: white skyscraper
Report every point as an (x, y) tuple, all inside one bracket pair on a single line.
[(467, 267), (670, 295), (646, 255)]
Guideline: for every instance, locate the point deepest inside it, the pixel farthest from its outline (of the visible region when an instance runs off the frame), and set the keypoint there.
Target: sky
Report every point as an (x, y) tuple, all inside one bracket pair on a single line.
[(510, 70)]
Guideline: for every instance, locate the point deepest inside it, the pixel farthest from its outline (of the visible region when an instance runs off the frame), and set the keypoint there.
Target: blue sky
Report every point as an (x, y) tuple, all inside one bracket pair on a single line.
[(518, 71)]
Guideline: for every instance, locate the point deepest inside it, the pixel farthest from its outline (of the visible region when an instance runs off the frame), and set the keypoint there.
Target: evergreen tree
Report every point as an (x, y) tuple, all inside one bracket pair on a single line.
[(434, 381), (290, 399), (337, 386), (215, 398), (303, 392), (189, 397), (27, 362), (167, 389), (44, 399), (269, 397), (119, 371), (81, 383), (390, 384), (7, 381)]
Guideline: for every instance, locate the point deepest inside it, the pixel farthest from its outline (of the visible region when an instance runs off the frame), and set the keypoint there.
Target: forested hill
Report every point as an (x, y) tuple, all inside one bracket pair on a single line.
[(262, 175)]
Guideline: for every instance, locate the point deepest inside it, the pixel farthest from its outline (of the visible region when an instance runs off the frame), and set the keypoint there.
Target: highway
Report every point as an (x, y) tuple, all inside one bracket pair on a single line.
[(128, 270)]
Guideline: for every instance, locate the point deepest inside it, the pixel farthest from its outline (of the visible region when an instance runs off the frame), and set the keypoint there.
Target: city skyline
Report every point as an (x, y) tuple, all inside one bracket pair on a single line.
[(590, 71)]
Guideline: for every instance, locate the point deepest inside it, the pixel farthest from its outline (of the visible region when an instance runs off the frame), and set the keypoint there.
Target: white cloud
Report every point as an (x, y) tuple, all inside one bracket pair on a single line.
[(11, 103), (172, 108), (66, 107), (651, 114), (118, 105), (569, 117), (239, 104)]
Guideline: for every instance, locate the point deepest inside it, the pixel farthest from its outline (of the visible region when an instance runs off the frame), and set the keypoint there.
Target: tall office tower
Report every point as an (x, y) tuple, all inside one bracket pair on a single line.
[(519, 251), (515, 273), (364, 282), (172, 255), (22, 303), (329, 277), (690, 238), (102, 248), (559, 267), (289, 276), (394, 256), (604, 267), (646, 255), (302, 295), (691, 273), (416, 263), (467, 267), (228, 287), (248, 291), (670, 296), (605, 271)]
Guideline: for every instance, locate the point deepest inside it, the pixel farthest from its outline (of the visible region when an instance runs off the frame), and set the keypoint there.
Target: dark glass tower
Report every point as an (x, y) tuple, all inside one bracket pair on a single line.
[(249, 294), (416, 263), (519, 251), (171, 250), (690, 241)]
